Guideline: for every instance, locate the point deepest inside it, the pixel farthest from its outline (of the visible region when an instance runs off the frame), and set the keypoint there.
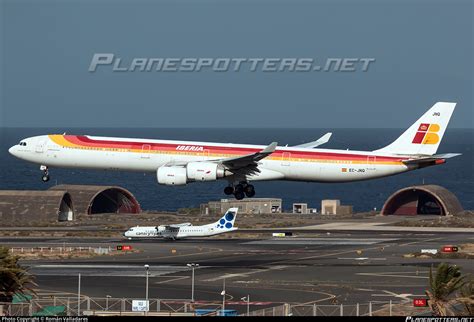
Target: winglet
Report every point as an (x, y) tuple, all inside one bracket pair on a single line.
[(322, 140), (270, 149)]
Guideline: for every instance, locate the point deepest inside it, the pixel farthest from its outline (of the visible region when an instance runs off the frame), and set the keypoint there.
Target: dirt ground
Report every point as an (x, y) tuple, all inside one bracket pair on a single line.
[(124, 221), (463, 219), (113, 225)]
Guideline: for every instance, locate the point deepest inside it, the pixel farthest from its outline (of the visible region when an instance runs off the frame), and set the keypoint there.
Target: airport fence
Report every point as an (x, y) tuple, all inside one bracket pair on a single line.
[(374, 308), (72, 306), (61, 250)]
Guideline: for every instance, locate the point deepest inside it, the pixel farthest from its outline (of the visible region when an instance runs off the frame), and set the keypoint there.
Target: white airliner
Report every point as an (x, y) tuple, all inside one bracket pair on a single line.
[(182, 162), (179, 231)]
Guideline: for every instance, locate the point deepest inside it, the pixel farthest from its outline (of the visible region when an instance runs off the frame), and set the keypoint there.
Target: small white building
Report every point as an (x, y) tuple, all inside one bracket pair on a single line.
[(300, 208), (334, 207), (329, 206)]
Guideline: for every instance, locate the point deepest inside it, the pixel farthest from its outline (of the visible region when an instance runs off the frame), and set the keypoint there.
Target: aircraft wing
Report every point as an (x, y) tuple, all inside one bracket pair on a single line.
[(431, 158), (248, 164), (170, 227), (176, 226), (242, 165), (322, 140)]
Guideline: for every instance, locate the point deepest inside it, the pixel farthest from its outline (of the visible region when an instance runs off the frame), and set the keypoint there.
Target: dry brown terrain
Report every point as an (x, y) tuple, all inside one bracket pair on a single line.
[(463, 219)]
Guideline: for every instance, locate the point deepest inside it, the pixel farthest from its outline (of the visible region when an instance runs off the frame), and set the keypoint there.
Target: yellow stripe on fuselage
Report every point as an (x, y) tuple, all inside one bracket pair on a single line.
[(60, 140)]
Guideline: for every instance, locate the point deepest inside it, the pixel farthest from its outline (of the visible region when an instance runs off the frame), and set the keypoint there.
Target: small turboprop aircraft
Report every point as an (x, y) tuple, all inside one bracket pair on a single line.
[(185, 230)]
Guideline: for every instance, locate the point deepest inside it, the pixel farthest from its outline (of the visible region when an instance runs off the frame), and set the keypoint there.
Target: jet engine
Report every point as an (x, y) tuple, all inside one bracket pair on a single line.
[(193, 171), (172, 175)]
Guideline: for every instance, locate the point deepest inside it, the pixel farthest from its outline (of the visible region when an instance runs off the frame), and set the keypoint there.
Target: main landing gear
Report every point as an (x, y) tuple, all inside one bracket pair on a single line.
[(241, 190), (45, 177)]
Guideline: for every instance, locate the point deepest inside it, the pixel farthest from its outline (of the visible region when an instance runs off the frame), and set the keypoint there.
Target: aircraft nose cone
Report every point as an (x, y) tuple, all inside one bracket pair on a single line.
[(12, 150)]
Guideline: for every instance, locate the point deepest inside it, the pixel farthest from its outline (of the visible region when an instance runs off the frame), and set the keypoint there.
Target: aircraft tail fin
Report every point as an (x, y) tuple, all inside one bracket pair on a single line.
[(227, 221), (425, 135)]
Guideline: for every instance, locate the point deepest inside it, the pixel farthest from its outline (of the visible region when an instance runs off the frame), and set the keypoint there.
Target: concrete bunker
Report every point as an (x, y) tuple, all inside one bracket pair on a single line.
[(90, 199), (422, 200), (18, 206)]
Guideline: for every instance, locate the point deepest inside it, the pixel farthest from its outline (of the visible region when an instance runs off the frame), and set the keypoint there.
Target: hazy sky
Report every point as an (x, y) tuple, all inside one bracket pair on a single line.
[(423, 52)]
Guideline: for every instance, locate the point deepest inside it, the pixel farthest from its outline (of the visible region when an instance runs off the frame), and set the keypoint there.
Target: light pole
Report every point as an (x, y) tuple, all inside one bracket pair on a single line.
[(223, 299), (247, 299), (193, 266), (147, 267), (107, 297), (79, 295)]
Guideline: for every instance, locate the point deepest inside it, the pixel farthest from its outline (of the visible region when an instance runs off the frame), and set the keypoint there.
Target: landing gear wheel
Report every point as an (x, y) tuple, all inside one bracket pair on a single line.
[(239, 195), (249, 191), (249, 188), (229, 190), (45, 178), (239, 188), (250, 194)]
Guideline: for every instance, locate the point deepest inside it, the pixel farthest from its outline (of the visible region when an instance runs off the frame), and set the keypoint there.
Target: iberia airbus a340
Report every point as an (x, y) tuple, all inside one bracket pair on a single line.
[(182, 162)]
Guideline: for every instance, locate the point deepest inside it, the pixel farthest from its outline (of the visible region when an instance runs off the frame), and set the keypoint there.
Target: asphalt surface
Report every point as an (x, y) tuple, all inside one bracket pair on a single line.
[(322, 268)]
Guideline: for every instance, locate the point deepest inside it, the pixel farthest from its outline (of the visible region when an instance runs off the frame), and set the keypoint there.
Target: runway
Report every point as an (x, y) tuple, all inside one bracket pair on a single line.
[(326, 269)]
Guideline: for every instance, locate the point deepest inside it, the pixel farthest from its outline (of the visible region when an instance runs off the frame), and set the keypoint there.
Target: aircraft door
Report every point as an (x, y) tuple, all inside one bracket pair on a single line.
[(285, 159), (371, 162), (206, 154), (40, 145), (146, 148)]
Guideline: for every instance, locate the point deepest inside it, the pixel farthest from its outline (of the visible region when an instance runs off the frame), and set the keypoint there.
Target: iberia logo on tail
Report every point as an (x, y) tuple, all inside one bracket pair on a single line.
[(426, 134)]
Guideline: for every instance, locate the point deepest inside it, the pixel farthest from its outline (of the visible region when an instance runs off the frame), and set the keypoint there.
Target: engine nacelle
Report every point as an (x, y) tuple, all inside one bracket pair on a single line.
[(193, 171), (172, 176), (205, 171)]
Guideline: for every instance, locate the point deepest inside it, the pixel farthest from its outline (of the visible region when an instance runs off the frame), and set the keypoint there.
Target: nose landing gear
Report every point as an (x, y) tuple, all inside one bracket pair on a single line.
[(241, 190), (45, 177)]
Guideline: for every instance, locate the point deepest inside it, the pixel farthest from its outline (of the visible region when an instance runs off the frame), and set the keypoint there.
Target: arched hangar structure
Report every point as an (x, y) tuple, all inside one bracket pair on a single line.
[(90, 199), (20, 206), (422, 200)]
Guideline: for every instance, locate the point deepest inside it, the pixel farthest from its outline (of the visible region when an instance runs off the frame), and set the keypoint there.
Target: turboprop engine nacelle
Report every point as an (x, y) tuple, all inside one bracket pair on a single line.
[(193, 171), (160, 228)]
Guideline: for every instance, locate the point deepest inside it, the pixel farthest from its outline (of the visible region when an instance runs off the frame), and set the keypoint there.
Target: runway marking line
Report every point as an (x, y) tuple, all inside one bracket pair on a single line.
[(214, 250), (178, 278), (401, 295), (104, 266), (344, 252), (245, 274), (329, 295), (424, 240), (363, 258), (391, 275)]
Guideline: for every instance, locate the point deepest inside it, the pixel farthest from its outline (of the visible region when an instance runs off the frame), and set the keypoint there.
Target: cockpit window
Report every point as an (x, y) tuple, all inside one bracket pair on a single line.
[(23, 143), (131, 229)]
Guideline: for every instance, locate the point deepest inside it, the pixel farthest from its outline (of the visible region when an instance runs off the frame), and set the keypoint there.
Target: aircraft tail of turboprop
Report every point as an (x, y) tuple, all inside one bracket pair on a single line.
[(425, 135), (227, 221)]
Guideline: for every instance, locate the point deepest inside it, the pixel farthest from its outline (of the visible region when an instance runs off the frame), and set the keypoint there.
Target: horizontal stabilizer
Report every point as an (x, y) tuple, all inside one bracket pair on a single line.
[(431, 158), (322, 140)]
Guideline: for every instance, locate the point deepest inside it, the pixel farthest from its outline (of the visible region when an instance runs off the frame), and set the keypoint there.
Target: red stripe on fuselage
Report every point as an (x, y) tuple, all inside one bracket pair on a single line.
[(85, 141)]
